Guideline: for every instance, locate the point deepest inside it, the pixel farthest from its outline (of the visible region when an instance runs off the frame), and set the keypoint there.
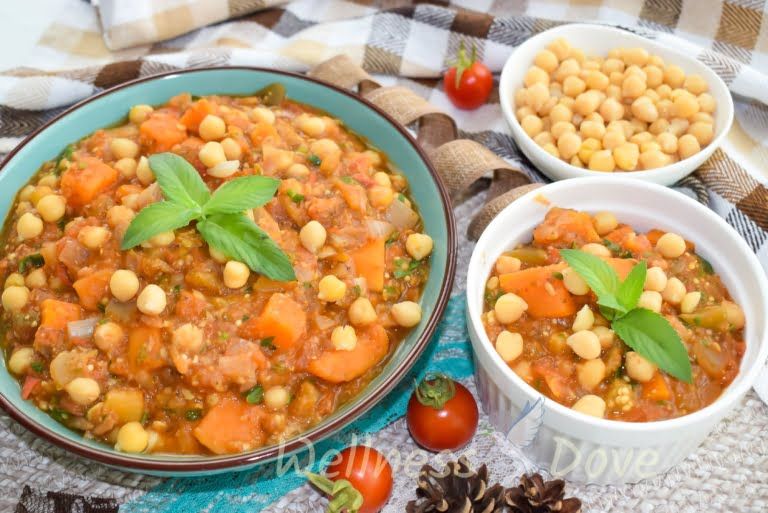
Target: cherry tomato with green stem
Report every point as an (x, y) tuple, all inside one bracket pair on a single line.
[(358, 480), (468, 83), (442, 414)]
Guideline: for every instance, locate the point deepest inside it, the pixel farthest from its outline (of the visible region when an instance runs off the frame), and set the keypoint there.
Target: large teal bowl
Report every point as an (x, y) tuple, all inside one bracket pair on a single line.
[(360, 116)]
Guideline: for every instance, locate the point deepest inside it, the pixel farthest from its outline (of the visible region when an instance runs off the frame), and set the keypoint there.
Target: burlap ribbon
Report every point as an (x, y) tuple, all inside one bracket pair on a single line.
[(459, 162)]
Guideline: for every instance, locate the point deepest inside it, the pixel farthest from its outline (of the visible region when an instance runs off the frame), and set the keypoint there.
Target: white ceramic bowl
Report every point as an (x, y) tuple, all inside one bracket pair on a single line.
[(597, 40), (588, 449)]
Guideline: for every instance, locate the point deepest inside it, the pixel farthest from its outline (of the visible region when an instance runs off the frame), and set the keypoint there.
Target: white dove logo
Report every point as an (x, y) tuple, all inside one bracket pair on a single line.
[(526, 426)]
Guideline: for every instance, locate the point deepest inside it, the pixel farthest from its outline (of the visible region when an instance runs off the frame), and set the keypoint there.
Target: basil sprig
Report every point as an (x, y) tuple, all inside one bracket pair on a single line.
[(219, 216), (646, 332)]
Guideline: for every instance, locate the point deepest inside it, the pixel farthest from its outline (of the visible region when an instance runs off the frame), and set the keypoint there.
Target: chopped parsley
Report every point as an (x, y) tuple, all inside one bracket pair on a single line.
[(32, 261), (616, 249), (314, 160), (268, 343), (245, 317), (705, 265), (349, 180), (295, 196), (254, 395), (405, 267), (37, 366), (144, 417), (392, 238), (401, 197), (223, 335), (557, 275), (102, 307), (193, 414), (58, 415), (357, 290)]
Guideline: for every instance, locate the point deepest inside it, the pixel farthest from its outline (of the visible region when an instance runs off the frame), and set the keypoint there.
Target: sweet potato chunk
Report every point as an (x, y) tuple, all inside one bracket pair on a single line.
[(282, 318), (340, 366), (545, 294), (80, 184), (57, 314), (563, 227), (230, 426), (369, 263)]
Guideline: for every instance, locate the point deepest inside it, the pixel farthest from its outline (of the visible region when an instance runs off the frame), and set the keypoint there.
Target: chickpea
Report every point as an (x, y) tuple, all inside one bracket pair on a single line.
[(650, 300), (551, 149), (687, 146), (613, 139), (605, 335), (52, 207), (107, 336), (152, 300), (507, 264), (644, 109), (585, 344), (588, 147), (119, 215), (670, 245), (638, 368), (695, 84), (236, 274), (602, 160), (20, 360), (93, 237), (538, 95), (626, 156), (668, 142), (331, 289), (122, 147), (655, 279), (312, 236), (584, 320), (560, 112), (544, 138), (132, 438), (596, 80), (560, 47), (29, 226), (703, 132), (674, 76), (734, 315), (532, 125), (212, 154), (263, 115), (568, 68), (344, 338), (124, 284), (546, 60), (83, 391), (706, 103), (593, 129), (14, 279), (139, 113), (361, 312), (36, 279), (596, 249), (650, 145), (39, 193), (212, 127), (144, 172), (406, 313), (685, 105), (590, 373), (613, 92), (561, 127), (509, 345), (658, 127), (535, 75), (654, 77), (591, 405), (574, 283), (633, 86), (576, 161), (678, 126), (188, 337), (703, 117), (674, 292), (654, 158), (610, 65), (509, 308), (14, 298), (419, 245), (690, 302), (298, 171), (635, 56), (611, 110), (569, 144), (587, 103), (573, 86), (313, 126)]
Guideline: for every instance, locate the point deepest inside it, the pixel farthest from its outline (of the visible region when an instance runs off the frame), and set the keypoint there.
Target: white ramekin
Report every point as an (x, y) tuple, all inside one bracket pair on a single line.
[(573, 445), (597, 40)]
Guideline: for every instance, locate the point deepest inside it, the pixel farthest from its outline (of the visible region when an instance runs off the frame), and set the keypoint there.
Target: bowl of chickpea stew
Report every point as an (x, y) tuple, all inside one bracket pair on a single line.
[(136, 348), (560, 374), (581, 99)]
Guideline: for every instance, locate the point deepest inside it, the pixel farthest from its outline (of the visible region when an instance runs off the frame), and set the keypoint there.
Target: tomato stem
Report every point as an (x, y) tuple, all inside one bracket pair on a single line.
[(344, 498), (435, 390), (462, 63)]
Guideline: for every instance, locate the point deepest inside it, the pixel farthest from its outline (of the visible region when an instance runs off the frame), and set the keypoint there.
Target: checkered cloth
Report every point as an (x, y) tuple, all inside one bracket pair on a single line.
[(410, 45)]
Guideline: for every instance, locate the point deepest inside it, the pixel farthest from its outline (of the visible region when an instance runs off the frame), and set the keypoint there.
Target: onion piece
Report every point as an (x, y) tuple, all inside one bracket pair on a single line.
[(83, 328), (401, 215), (379, 229), (225, 169)]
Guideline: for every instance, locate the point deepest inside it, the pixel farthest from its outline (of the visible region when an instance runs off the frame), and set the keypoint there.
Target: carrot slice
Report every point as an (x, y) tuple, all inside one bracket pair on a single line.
[(163, 129), (564, 227), (538, 286), (656, 389), (370, 262), (81, 185), (339, 366), (56, 314), (230, 426), (282, 318), (261, 132), (144, 348), (92, 288), (196, 113)]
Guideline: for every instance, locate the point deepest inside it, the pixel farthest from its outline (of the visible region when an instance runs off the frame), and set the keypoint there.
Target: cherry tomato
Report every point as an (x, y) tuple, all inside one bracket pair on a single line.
[(468, 84), (442, 414), (369, 473)]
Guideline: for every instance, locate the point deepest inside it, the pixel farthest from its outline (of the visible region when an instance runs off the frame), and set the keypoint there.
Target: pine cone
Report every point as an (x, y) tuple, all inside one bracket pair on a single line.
[(534, 495), (456, 489)]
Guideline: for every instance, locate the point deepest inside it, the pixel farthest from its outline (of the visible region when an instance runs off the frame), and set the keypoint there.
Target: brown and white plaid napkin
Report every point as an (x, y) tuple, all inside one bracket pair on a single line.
[(409, 44)]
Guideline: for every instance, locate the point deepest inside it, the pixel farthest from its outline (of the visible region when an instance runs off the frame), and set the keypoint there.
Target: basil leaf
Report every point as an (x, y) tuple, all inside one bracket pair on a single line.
[(254, 395), (653, 337), (156, 218), (240, 194), (34, 260), (632, 286), (241, 239), (600, 277), (179, 181)]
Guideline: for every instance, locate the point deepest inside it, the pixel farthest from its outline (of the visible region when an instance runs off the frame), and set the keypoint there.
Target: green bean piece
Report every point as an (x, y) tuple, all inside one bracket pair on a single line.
[(529, 255), (272, 94), (714, 317)]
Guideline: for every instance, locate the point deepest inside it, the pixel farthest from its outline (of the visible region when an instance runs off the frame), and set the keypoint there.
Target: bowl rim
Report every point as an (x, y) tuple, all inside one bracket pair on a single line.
[(565, 168), (241, 461), (483, 343)]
